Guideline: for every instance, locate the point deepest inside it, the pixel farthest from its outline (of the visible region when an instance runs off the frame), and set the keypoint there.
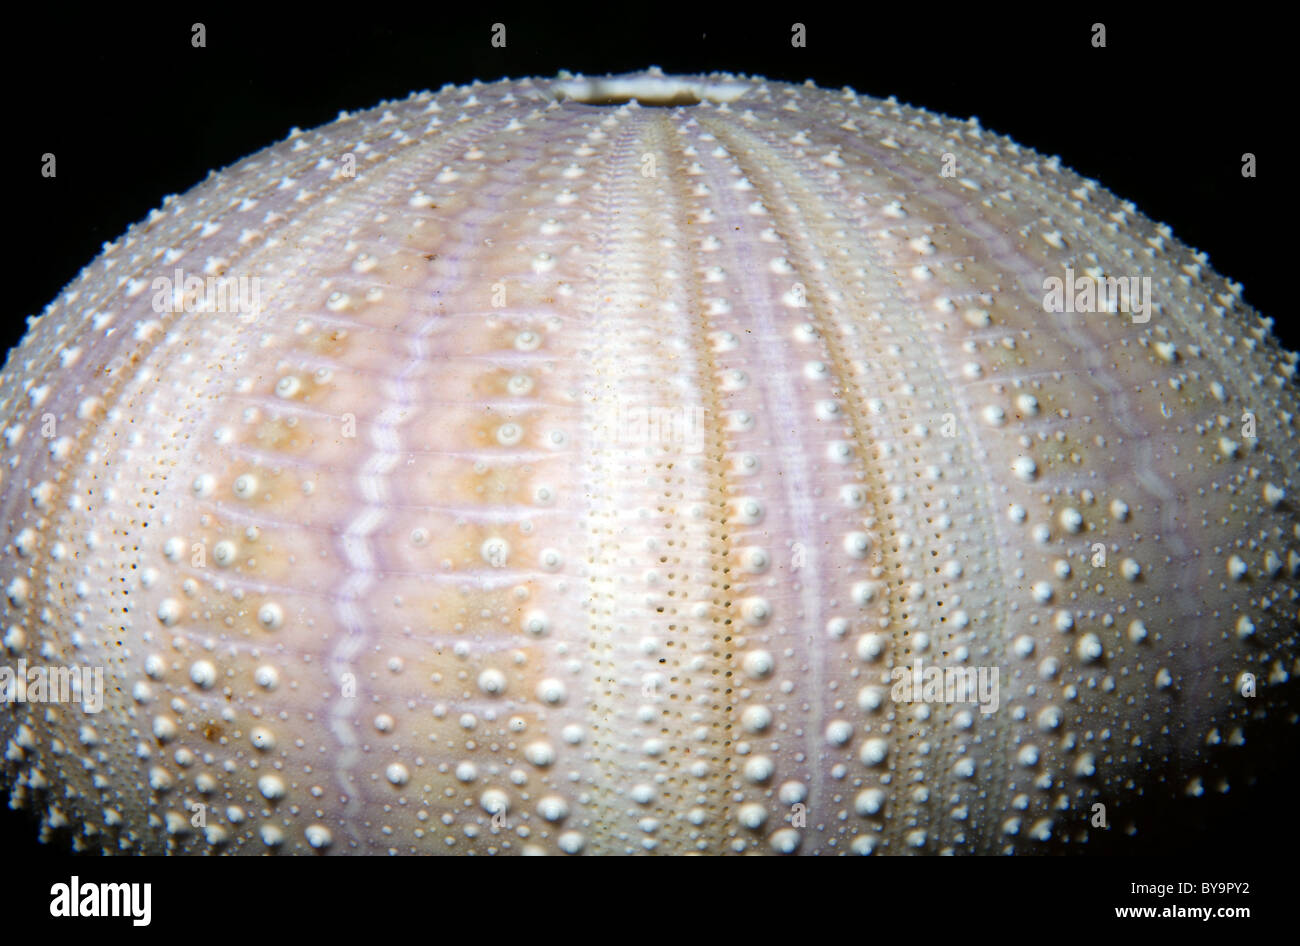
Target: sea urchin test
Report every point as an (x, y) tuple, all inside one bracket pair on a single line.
[(527, 468)]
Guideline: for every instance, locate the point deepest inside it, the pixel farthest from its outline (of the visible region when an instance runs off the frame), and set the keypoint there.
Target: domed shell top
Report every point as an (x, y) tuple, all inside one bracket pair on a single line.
[(497, 471)]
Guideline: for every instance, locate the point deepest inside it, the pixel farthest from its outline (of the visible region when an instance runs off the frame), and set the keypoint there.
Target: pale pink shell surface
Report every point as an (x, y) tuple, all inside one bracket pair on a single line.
[(585, 470)]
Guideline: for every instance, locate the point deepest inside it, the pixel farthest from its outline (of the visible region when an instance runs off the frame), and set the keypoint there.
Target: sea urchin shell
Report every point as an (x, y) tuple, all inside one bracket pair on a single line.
[(524, 468)]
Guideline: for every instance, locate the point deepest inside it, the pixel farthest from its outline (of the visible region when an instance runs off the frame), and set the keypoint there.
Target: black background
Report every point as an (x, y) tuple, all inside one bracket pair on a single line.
[(1161, 116)]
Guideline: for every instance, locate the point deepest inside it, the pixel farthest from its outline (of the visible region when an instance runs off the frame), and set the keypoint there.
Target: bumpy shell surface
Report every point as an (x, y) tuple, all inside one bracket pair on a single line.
[(585, 470)]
